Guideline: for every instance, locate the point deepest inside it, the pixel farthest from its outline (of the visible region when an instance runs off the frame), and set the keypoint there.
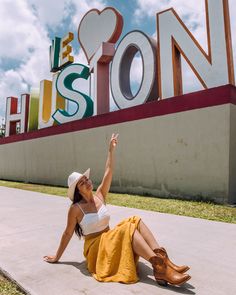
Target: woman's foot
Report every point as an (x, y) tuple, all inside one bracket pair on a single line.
[(180, 269), (164, 274)]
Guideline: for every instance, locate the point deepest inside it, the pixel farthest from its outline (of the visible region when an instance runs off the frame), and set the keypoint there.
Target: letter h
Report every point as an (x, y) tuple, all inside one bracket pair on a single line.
[(12, 117)]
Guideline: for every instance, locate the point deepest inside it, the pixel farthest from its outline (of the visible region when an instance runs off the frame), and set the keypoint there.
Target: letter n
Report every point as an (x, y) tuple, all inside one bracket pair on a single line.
[(174, 39)]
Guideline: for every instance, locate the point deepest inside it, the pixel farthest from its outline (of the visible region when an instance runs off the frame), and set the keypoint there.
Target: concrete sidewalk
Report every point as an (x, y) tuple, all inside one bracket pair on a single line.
[(31, 225)]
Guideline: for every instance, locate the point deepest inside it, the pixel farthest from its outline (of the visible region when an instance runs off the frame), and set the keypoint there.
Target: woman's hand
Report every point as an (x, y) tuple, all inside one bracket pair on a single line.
[(51, 259), (113, 141)]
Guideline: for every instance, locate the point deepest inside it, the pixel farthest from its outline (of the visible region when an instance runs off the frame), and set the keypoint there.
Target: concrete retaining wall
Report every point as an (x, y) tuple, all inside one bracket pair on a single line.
[(187, 154)]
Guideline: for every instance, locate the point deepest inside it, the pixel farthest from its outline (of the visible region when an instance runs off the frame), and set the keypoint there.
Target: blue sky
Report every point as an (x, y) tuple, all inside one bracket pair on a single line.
[(27, 27)]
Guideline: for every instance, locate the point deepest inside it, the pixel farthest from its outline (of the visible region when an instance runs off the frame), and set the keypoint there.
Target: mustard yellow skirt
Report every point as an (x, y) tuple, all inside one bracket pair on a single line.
[(110, 257)]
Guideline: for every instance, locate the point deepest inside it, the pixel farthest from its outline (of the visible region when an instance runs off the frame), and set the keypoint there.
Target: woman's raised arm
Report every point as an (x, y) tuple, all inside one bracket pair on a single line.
[(104, 187)]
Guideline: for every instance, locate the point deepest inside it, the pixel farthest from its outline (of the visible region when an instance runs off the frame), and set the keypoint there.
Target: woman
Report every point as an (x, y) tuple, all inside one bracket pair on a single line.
[(112, 254)]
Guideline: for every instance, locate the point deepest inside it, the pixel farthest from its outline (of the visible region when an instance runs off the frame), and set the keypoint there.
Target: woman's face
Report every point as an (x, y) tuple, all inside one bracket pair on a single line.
[(85, 185)]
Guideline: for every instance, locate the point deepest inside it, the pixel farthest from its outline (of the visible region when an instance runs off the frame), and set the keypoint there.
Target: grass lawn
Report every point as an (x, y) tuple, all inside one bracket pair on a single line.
[(8, 288), (199, 209)]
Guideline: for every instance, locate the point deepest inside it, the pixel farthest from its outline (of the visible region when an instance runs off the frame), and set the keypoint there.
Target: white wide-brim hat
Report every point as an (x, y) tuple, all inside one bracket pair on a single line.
[(73, 179)]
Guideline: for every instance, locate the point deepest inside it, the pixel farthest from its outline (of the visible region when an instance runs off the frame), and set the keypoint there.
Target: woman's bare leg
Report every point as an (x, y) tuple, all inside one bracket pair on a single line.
[(162, 272), (141, 247), (148, 236)]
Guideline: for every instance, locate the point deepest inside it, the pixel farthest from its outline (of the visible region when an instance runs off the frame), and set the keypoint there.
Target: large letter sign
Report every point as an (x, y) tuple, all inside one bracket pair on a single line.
[(120, 73), (99, 48), (84, 104), (33, 109), (110, 65), (13, 117), (212, 69), (59, 52), (49, 101)]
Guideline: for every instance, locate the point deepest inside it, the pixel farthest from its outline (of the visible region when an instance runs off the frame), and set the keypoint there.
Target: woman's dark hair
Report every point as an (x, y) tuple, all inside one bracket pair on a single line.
[(78, 197)]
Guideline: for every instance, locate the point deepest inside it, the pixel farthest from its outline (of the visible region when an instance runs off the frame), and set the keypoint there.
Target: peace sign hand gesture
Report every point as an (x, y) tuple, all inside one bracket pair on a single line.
[(113, 141)]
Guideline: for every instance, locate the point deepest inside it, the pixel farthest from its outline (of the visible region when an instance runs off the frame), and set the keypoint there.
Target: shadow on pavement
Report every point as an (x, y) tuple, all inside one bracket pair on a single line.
[(145, 274)]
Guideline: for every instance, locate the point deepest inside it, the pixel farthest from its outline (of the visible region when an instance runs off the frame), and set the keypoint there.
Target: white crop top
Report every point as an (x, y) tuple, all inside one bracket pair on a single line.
[(95, 222)]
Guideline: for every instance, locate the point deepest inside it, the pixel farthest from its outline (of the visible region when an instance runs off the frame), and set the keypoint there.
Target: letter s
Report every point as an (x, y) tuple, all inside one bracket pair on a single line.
[(84, 104)]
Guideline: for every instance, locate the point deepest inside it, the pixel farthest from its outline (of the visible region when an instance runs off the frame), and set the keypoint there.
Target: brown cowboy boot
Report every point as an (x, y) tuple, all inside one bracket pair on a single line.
[(163, 252), (164, 274)]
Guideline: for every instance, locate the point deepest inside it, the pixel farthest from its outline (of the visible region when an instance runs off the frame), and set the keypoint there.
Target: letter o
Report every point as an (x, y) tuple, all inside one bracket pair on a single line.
[(120, 70)]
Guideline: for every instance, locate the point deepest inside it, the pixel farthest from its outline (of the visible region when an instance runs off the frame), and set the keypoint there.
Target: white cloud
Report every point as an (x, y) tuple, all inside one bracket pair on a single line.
[(11, 84), (80, 57), (136, 69), (20, 33), (24, 40), (84, 6), (2, 120), (50, 13)]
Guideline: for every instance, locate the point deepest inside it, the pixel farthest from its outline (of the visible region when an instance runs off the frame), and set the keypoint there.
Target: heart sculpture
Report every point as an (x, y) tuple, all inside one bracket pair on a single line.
[(97, 27)]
